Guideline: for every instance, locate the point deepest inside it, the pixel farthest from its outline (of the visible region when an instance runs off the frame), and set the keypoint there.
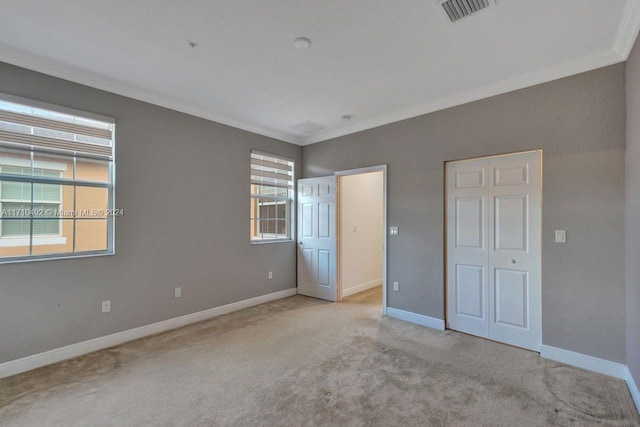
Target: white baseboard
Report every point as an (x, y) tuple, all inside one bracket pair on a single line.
[(420, 319), (584, 361), (361, 287), (633, 388), (28, 363)]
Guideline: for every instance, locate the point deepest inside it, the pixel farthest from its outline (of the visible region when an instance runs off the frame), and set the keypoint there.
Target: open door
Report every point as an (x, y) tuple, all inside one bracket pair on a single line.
[(317, 238)]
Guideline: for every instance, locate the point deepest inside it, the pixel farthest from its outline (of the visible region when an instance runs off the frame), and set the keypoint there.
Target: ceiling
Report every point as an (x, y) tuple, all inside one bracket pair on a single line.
[(377, 60)]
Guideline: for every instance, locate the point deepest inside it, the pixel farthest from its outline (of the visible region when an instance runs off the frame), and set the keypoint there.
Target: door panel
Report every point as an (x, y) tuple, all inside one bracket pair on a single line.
[(470, 290), (473, 178), (493, 248), (467, 291), (324, 220), (469, 222), (306, 221), (317, 237), (511, 225), (512, 298)]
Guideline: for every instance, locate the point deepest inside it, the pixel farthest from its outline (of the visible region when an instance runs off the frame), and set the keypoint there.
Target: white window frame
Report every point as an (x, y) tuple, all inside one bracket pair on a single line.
[(37, 164), (290, 200)]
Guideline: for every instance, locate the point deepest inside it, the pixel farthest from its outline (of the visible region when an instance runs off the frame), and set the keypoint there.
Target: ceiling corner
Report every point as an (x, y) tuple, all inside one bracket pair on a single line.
[(628, 29)]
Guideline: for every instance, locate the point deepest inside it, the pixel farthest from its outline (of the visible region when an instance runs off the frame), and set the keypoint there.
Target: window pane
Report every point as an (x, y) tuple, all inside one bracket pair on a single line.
[(53, 165), (282, 228), (91, 235), (92, 170), (91, 202), (14, 246), (15, 191), (12, 159), (52, 236)]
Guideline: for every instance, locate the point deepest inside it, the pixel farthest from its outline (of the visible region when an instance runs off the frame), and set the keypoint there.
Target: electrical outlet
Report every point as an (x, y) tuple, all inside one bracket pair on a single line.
[(270, 275), (394, 230), (177, 292), (106, 306), (561, 236), (396, 286)]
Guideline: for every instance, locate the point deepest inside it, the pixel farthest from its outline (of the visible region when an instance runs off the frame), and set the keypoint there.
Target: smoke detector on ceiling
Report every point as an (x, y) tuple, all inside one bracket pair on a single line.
[(455, 10)]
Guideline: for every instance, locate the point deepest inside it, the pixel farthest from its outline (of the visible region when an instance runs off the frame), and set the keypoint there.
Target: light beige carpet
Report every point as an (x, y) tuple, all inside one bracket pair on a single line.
[(305, 362)]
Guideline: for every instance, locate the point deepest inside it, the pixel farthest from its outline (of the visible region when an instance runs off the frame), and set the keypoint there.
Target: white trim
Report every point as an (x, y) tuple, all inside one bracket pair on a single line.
[(544, 75), (584, 361), (28, 363), (88, 78), (633, 388), (385, 246), (361, 287), (624, 40), (10, 242), (419, 319), (628, 29)]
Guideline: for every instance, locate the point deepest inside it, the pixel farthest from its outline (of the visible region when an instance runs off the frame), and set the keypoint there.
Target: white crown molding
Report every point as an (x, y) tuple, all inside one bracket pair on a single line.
[(544, 75), (418, 319), (584, 361), (88, 78), (628, 29), (28, 363), (623, 43)]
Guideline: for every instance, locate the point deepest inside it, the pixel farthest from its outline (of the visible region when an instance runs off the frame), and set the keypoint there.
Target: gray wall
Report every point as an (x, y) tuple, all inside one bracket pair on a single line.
[(184, 185), (633, 212), (579, 122)]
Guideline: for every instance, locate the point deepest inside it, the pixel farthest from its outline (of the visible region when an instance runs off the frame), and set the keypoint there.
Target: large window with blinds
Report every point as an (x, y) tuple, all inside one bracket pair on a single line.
[(56, 181), (272, 179)]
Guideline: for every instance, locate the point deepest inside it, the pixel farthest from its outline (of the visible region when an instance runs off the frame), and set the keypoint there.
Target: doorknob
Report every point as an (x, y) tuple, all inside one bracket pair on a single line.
[(300, 242), (512, 261)]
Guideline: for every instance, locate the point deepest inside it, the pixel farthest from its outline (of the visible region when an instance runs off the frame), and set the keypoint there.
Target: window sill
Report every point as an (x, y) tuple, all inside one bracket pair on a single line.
[(34, 258), (268, 241), (9, 242)]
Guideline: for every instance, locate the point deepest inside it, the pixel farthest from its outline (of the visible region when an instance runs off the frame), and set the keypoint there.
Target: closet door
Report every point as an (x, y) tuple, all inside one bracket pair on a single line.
[(514, 252), (493, 248), (467, 248)]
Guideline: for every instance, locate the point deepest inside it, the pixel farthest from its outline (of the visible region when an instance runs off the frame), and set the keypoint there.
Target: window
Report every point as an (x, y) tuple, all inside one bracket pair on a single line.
[(271, 197), (56, 181)]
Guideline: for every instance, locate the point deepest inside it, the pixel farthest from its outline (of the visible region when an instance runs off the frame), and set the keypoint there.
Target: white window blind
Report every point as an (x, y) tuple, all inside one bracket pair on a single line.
[(272, 179)]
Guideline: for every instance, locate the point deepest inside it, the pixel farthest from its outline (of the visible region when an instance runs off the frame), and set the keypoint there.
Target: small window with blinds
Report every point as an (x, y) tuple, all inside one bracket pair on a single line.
[(271, 197), (56, 181)]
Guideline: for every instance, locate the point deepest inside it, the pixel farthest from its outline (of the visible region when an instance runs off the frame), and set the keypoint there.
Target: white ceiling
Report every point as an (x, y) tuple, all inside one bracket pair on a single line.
[(378, 60)]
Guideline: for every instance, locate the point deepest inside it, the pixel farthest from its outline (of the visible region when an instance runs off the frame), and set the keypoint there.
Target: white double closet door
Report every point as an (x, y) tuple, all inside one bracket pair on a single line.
[(493, 248)]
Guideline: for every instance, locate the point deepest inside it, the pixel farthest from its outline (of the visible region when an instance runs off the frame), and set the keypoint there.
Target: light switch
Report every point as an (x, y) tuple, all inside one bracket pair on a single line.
[(561, 236), (393, 230)]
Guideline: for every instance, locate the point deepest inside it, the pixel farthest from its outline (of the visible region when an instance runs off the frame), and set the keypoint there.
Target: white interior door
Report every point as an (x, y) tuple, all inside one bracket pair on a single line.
[(493, 248), (317, 237)]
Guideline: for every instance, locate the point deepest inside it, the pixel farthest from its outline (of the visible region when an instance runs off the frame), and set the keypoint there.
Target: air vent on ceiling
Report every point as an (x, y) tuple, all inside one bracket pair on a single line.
[(458, 9), (308, 127)]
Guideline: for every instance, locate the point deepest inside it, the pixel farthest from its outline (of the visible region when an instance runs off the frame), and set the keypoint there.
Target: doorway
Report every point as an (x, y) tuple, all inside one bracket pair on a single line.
[(342, 246), (493, 217), (360, 233)]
